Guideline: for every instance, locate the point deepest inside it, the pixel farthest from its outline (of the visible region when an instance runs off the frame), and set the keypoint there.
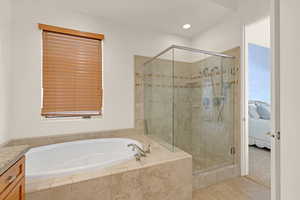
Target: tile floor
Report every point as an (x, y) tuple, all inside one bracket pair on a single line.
[(259, 165), (234, 189)]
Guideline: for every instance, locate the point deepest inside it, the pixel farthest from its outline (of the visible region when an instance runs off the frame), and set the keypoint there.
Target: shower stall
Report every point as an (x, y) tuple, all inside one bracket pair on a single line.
[(189, 104)]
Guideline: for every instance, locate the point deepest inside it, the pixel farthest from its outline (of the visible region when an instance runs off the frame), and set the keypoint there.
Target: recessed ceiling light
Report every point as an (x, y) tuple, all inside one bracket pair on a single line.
[(186, 26)]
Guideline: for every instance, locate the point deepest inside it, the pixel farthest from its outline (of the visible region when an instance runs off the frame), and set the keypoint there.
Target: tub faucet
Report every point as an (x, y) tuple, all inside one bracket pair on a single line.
[(140, 151)]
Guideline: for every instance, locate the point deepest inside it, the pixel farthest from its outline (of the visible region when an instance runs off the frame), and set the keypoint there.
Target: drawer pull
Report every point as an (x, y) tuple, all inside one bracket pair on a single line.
[(11, 179)]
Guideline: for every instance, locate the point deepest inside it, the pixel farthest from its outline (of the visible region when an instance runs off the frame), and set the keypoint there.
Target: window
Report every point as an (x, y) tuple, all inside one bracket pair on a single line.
[(72, 73)]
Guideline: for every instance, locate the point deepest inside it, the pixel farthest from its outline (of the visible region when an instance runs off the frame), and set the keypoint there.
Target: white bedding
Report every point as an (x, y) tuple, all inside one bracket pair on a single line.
[(258, 127)]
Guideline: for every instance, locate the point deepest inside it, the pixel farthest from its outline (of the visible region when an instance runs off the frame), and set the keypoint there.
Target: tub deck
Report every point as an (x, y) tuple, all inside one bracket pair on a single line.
[(161, 175)]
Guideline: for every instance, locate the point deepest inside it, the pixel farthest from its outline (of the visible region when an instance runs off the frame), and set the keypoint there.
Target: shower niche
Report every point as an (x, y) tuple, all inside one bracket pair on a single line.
[(190, 103)]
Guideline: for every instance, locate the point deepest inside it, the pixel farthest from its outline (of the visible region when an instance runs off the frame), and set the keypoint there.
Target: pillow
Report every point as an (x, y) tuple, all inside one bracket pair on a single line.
[(252, 111), (263, 111)]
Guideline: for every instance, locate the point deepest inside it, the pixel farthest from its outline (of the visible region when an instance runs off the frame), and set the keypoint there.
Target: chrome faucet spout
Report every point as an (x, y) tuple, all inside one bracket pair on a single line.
[(140, 151)]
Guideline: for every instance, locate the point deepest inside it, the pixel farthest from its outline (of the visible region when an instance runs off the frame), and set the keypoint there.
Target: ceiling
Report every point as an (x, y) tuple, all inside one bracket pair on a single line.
[(159, 15)]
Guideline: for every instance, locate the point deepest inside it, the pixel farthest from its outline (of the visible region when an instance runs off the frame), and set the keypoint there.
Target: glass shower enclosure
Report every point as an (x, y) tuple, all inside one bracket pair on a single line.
[(189, 104)]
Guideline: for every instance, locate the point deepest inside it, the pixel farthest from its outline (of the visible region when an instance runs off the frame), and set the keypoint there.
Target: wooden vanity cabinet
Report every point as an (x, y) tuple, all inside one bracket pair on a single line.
[(12, 182)]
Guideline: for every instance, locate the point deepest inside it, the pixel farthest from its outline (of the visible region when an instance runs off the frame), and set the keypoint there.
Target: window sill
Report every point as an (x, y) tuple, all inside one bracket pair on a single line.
[(71, 118)]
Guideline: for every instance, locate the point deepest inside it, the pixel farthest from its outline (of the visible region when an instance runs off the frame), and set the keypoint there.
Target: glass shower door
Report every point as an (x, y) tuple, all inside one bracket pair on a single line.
[(204, 108), (212, 113), (158, 99)]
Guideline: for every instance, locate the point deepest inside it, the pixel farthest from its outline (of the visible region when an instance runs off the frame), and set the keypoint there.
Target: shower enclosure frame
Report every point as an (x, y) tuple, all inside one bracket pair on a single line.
[(189, 49), (211, 53)]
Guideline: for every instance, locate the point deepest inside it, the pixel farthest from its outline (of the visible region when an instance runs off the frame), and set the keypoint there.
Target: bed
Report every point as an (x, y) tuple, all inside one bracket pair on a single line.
[(259, 124)]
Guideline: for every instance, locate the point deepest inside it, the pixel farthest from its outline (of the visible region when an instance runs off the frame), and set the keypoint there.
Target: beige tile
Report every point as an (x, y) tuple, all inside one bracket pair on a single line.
[(125, 166), (61, 181), (34, 186), (93, 189), (139, 124), (127, 186), (225, 173), (210, 178), (139, 95), (61, 193), (181, 172), (233, 189), (84, 176), (39, 195), (165, 180), (139, 111), (40, 141), (181, 193), (260, 165), (66, 138), (204, 179)]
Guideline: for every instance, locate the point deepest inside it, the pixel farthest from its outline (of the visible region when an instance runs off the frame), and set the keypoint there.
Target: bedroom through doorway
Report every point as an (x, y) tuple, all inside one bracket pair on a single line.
[(258, 59)]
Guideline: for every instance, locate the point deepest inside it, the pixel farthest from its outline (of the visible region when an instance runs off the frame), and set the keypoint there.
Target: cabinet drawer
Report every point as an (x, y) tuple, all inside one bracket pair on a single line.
[(18, 193), (13, 175)]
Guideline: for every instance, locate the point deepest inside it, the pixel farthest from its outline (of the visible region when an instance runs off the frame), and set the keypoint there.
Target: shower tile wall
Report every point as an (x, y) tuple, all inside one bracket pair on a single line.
[(213, 139), (139, 91), (158, 94), (212, 112), (158, 83), (182, 106)]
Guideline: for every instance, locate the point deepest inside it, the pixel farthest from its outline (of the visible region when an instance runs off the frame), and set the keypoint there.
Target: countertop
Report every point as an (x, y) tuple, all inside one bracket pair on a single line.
[(9, 155)]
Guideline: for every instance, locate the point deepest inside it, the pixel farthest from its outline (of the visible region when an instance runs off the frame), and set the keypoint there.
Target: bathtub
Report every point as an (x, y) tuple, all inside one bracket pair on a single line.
[(70, 158)]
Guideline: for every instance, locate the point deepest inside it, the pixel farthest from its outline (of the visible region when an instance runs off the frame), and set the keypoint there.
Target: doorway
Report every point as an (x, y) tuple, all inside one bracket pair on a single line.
[(257, 101)]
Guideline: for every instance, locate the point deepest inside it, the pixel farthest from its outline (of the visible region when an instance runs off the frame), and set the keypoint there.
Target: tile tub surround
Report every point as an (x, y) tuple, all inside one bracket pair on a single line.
[(46, 140), (10, 155), (160, 175)]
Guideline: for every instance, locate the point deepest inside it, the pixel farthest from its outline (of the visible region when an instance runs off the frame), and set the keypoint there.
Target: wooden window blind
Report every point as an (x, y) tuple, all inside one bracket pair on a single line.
[(72, 72)]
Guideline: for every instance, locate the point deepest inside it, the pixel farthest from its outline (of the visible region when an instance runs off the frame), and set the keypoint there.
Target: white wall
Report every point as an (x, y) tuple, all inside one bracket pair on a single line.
[(289, 98), (5, 21), (223, 36), (228, 33), (120, 45), (259, 33)]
